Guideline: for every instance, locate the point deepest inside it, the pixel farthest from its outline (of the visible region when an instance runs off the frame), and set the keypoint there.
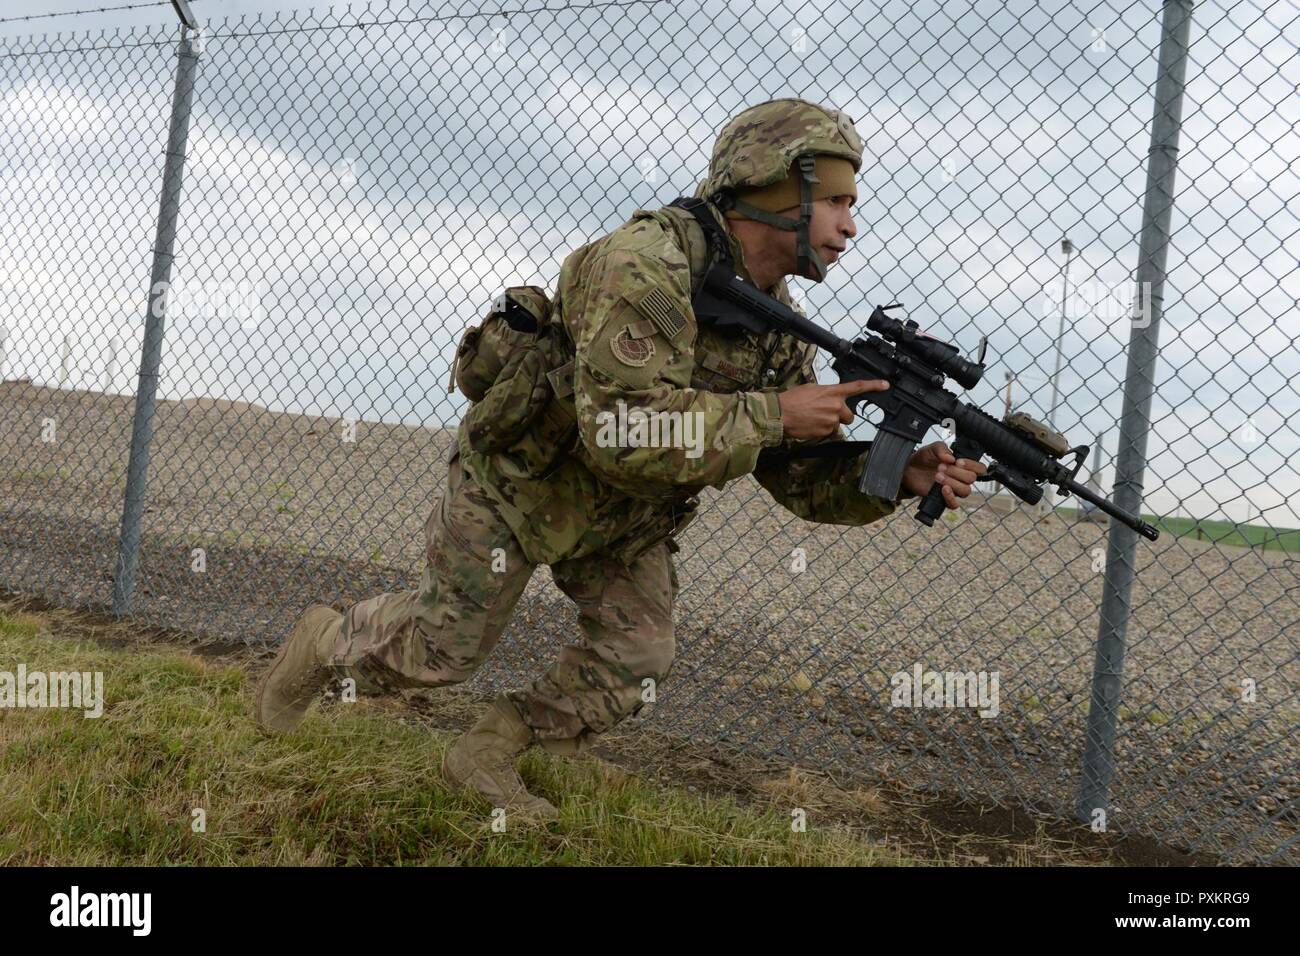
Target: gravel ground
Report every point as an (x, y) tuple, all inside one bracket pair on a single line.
[(777, 662)]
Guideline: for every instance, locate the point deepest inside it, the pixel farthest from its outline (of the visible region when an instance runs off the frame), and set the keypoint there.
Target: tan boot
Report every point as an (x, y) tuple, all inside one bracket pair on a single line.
[(483, 761), (299, 672)]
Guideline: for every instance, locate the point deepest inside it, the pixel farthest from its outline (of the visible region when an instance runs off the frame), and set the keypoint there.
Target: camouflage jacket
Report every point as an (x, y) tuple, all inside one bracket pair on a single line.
[(707, 401)]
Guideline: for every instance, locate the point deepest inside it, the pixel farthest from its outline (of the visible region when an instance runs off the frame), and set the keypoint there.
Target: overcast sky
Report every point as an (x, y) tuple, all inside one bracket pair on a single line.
[(377, 174)]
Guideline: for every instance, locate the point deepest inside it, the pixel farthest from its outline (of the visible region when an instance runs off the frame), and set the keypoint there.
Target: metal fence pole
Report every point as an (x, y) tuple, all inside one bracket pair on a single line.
[(137, 473), (1139, 382)]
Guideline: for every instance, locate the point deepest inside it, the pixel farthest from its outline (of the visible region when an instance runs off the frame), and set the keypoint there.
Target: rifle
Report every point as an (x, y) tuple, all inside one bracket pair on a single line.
[(1025, 453)]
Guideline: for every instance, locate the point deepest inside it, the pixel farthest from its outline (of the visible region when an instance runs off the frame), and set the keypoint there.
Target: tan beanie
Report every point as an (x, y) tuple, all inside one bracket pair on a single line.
[(837, 179)]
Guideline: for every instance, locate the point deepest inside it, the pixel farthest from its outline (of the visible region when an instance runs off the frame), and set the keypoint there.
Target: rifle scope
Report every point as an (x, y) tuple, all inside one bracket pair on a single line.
[(934, 353)]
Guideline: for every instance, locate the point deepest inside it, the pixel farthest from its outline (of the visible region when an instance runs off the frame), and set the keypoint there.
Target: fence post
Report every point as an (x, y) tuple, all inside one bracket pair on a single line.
[(1139, 381), (137, 471)]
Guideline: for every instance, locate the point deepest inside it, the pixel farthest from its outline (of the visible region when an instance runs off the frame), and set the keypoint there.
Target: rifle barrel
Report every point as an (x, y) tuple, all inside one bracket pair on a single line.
[(1150, 532)]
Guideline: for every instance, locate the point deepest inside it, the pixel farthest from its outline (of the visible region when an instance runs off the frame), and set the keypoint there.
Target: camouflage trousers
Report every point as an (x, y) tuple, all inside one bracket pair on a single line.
[(474, 575)]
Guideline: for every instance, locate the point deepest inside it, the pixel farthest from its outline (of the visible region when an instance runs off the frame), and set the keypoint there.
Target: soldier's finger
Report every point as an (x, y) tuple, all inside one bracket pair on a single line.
[(950, 498), (846, 414), (961, 474), (865, 385), (978, 467)]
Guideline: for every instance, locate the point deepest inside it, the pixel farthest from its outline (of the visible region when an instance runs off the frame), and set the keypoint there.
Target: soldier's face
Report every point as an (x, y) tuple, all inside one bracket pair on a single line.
[(829, 231)]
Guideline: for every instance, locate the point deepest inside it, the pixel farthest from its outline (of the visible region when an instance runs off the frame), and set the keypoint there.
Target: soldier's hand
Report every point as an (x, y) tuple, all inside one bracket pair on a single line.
[(936, 463), (815, 411)]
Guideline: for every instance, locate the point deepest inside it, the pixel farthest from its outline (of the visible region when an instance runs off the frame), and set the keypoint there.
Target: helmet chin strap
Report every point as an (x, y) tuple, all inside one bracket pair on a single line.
[(811, 265)]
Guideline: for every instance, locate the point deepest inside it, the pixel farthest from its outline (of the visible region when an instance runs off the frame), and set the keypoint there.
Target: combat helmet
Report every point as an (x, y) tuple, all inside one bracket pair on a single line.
[(758, 147)]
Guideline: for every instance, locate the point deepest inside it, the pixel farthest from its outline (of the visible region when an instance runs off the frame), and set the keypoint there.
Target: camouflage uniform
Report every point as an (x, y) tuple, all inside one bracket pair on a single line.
[(604, 519)]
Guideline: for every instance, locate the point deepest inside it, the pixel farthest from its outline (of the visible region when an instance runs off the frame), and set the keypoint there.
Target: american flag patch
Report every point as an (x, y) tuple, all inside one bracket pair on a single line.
[(659, 309)]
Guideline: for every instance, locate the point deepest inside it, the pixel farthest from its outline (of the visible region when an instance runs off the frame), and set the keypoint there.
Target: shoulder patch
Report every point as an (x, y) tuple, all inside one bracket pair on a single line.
[(659, 309), (631, 349)]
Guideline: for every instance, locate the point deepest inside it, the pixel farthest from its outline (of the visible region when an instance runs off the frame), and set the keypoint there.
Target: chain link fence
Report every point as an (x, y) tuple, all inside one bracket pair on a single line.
[(359, 185)]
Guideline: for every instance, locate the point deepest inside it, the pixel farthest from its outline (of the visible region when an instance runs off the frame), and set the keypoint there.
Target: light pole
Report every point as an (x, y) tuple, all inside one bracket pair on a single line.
[(1067, 248)]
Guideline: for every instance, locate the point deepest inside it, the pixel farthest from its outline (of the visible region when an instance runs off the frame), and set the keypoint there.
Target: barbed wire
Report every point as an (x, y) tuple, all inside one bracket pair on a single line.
[(89, 49), (439, 18), (361, 23), (75, 13), (445, 17)]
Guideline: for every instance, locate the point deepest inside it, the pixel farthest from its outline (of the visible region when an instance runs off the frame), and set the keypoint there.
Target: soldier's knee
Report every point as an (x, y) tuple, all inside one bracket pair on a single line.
[(657, 656), (449, 650), (443, 666)]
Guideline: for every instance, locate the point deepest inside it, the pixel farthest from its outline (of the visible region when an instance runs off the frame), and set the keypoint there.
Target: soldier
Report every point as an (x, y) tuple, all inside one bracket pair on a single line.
[(604, 511)]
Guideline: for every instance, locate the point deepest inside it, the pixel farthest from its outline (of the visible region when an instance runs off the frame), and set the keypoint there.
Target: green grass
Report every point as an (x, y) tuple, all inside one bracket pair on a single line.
[(1221, 532), (1231, 533), (44, 473), (353, 786)]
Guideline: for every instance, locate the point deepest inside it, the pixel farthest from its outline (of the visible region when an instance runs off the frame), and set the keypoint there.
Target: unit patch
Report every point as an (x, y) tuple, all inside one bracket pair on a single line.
[(629, 350)]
